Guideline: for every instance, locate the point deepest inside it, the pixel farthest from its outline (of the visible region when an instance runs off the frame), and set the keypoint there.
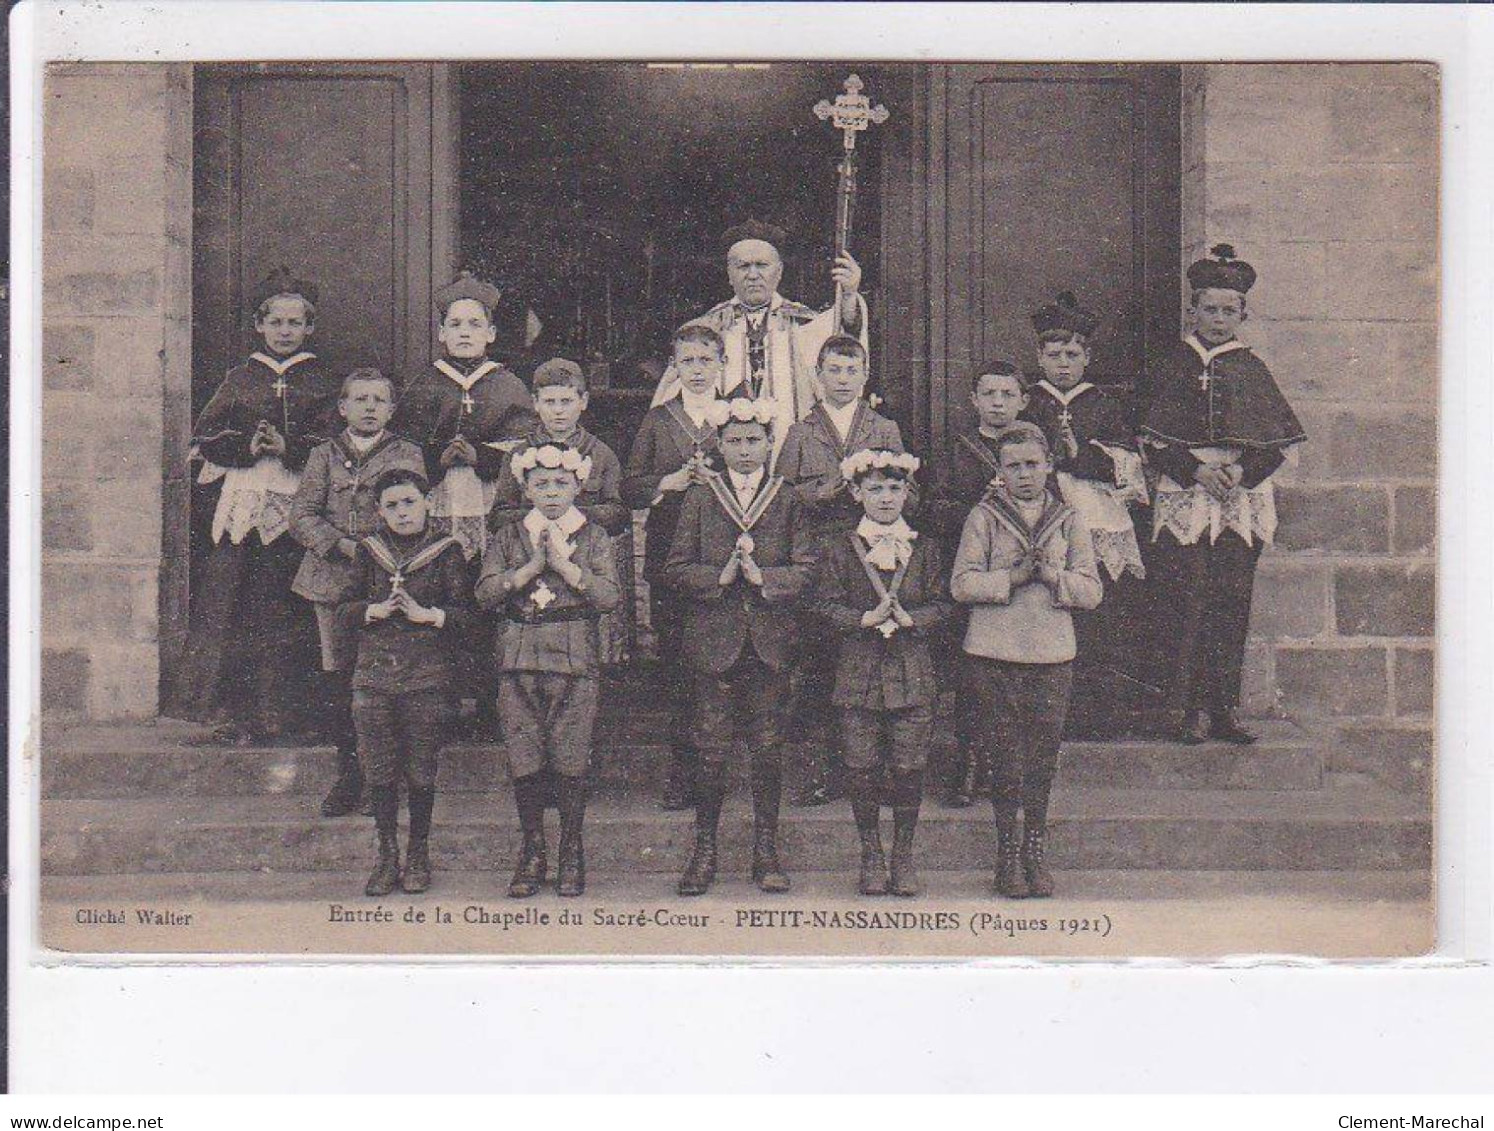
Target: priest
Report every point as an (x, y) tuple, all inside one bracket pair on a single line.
[(772, 342)]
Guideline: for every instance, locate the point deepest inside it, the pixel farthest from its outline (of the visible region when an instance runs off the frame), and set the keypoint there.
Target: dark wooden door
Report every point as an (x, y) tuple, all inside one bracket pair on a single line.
[(1041, 179), (343, 172)]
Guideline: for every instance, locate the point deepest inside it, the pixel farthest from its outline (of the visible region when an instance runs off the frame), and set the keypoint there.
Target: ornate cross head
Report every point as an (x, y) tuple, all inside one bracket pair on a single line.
[(851, 112)]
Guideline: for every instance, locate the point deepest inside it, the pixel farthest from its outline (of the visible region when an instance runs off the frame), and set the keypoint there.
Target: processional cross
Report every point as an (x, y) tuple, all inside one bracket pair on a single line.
[(851, 113)]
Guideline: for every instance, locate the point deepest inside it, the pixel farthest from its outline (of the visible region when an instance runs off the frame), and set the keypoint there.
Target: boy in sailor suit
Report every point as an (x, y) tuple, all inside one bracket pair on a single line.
[(333, 511), (674, 450), (412, 601), (743, 557), (1025, 560), (548, 578), (883, 589), (840, 424), (1099, 474), (246, 631), (1216, 430)]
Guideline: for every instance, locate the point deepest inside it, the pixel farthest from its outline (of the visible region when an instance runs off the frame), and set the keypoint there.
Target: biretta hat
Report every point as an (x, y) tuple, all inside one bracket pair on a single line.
[(1065, 313), (1221, 272), (754, 229), (467, 285), (281, 282)]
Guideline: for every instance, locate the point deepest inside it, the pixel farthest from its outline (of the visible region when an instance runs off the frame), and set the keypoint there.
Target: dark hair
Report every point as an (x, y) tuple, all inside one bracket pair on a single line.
[(1060, 334), (696, 332), (1196, 291), (1022, 432), (364, 375), (729, 421), (999, 367), (262, 311), (398, 477), (886, 472), (841, 345), (559, 372)]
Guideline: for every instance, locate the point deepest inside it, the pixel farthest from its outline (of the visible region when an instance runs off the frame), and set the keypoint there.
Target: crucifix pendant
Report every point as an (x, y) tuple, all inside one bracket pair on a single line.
[(1065, 418), (396, 583), (467, 401), (1203, 380), (279, 387)]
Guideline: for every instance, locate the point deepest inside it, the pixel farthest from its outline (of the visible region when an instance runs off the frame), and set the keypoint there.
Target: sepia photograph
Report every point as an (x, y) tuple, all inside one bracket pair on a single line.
[(654, 508)]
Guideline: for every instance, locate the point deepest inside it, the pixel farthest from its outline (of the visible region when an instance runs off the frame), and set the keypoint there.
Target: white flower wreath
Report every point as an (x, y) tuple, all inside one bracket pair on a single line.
[(741, 409), (548, 455), (876, 459)]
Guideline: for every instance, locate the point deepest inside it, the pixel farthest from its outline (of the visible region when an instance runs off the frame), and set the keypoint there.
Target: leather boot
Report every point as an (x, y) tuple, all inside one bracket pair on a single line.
[(416, 877), (1039, 879), (385, 877), (710, 791), (1225, 727), (867, 811), (347, 793), (767, 789), (907, 797), (679, 789), (1009, 880), (529, 873), (571, 877)]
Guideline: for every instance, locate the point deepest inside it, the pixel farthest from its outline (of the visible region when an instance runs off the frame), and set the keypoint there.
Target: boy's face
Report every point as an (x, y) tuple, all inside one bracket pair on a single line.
[(842, 378), (699, 366), (1064, 363), (1217, 315), (559, 408), (367, 407), (1024, 469), (403, 508), (465, 330), (881, 496), (998, 399), (552, 489), (285, 325), (744, 445)]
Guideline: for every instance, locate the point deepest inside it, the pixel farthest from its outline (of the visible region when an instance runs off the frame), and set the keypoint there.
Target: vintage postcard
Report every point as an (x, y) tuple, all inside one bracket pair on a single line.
[(654, 509)]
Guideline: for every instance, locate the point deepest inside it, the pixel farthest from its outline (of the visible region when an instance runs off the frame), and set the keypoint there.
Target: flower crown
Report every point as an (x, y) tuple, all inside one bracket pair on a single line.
[(548, 455), (868, 460), (721, 413)]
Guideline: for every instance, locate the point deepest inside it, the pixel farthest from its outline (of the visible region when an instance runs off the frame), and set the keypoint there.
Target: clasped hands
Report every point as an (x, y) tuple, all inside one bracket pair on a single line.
[(888, 609), (459, 452), (693, 472), (1034, 567), (546, 555), (400, 601), (266, 440), (741, 563), (1219, 479)]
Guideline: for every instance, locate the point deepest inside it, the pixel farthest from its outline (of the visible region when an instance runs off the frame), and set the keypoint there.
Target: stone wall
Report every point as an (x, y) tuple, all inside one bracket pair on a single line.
[(116, 358), (1326, 178)]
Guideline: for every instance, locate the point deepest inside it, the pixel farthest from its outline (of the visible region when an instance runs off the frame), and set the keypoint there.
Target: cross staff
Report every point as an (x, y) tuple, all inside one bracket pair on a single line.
[(851, 113)]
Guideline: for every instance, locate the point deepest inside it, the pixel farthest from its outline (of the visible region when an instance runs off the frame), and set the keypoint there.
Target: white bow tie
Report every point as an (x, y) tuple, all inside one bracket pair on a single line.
[(889, 545)]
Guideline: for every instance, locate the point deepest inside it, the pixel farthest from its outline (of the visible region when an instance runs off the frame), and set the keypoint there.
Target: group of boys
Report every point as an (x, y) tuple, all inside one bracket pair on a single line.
[(464, 538)]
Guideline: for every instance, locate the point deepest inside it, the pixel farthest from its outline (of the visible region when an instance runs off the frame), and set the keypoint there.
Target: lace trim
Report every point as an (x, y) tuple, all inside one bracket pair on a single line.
[(252, 499), (1118, 552), (1188, 515)]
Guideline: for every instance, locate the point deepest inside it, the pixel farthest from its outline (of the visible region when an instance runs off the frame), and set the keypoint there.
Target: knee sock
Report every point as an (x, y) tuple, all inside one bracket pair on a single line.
[(767, 790), (529, 799), (866, 805), (386, 809)]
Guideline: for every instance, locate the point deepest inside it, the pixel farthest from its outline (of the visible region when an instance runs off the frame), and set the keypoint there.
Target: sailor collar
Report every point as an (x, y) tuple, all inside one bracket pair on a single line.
[(1064, 398), (1207, 354), (466, 380), (277, 367)]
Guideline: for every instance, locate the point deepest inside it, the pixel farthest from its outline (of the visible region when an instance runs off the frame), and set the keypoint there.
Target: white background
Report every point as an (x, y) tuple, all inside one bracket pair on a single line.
[(1251, 1025)]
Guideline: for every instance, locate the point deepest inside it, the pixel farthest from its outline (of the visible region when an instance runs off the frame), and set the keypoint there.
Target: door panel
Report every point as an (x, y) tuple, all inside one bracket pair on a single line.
[(1051, 178)]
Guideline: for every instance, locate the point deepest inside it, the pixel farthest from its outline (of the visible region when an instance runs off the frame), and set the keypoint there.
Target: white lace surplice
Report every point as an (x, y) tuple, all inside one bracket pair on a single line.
[(1103, 508), (1188, 513), (253, 498)]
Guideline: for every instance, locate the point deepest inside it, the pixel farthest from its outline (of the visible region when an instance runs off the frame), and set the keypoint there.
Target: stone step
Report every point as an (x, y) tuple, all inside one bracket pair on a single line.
[(1353, 827), (147, 761)]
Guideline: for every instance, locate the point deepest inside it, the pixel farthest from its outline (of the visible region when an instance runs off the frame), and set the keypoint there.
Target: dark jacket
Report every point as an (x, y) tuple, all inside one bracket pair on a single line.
[(305, 415), (666, 440), (600, 499), (810, 460), (433, 411)]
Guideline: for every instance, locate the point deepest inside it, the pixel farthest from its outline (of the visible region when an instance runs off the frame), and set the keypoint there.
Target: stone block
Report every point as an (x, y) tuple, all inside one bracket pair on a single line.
[(132, 199), (1385, 600), (64, 679), (1377, 202), (1398, 757), (102, 274), (1415, 520), (1281, 123), (1292, 275), (88, 602), (1313, 460), (69, 199), (102, 117), (1336, 681), (124, 436), (124, 682), (1383, 447), (110, 292), (1259, 698), (127, 517), (1415, 679), (1417, 361), (66, 523), (1377, 120), (130, 356), (1328, 361), (1290, 600), (1383, 280), (1352, 520), (67, 356)]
